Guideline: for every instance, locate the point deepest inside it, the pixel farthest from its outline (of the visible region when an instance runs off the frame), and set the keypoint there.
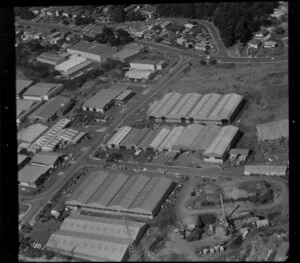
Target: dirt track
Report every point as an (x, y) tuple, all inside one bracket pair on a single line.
[(184, 213)]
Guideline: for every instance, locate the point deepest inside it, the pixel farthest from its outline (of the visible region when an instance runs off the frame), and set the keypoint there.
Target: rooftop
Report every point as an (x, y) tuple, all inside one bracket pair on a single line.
[(32, 132), (125, 53), (46, 158), (51, 107), (70, 63), (273, 130), (24, 105), (30, 173), (94, 48), (138, 74), (40, 89), (22, 84)]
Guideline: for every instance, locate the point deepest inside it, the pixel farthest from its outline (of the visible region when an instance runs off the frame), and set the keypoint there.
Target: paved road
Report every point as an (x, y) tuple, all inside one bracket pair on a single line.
[(38, 201), (222, 54)]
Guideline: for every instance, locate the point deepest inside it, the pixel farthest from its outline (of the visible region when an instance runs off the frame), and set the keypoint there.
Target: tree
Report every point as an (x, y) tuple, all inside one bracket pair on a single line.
[(100, 38), (123, 36), (242, 31), (213, 61), (279, 31), (66, 22), (118, 14)]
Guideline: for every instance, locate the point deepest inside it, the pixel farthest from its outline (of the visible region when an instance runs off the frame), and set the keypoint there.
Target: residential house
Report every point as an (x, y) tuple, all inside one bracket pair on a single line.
[(254, 43), (269, 44), (148, 11), (201, 46), (262, 223), (180, 41), (189, 26)]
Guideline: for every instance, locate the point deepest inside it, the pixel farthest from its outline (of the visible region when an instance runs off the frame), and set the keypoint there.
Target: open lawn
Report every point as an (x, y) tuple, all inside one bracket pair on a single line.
[(23, 208)]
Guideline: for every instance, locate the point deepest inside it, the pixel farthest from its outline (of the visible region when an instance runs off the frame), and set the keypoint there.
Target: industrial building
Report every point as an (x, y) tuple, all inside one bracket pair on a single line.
[(115, 140), (138, 74), (51, 58), (22, 85), (265, 170), (50, 138), (73, 65), (163, 133), (42, 91), (126, 142), (93, 51), (121, 194), (47, 159), (31, 133), (22, 161), (168, 143), (218, 150), (197, 108), (144, 144), (103, 99), (25, 107), (273, 130), (125, 54), (133, 144), (124, 96), (32, 175), (95, 238), (151, 65), (49, 110)]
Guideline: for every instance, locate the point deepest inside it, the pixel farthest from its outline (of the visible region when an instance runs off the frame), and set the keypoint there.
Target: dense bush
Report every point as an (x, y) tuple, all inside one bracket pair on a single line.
[(83, 20)]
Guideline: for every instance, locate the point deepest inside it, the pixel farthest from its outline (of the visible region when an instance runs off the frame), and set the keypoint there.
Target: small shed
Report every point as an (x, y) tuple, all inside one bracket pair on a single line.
[(242, 154), (262, 223), (58, 208)]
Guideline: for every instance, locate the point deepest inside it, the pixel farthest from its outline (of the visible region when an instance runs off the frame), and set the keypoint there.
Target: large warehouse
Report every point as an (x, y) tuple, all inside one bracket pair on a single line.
[(93, 51), (22, 85), (42, 91), (273, 130), (51, 58), (73, 65), (115, 140), (25, 107), (32, 175), (220, 146), (31, 133), (47, 159), (163, 133), (171, 138), (121, 194), (95, 238), (51, 108), (103, 99), (197, 108)]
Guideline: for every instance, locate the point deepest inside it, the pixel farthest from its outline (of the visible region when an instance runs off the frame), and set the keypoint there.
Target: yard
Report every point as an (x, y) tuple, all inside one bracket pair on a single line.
[(23, 208)]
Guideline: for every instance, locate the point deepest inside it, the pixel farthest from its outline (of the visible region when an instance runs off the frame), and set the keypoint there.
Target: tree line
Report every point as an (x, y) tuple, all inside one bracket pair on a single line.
[(236, 21)]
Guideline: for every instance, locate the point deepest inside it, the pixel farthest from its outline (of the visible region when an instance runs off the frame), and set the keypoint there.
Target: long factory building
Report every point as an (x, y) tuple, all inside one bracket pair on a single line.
[(96, 238), (121, 194), (212, 140), (196, 108)]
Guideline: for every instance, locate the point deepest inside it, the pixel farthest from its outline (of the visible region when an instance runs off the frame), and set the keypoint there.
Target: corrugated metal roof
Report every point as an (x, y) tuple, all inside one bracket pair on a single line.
[(130, 136), (185, 110), (32, 132), (24, 105), (138, 74), (30, 173), (121, 192), (159, 138), (124, 95), (169, 141), (46, 158), (265, 169), (21, 158), (273, 130), (231, 105), (70, 63), (22, 84), (205, 137), (139, 137), (187, 137), (152, 106), (161, 103), (119, 135), (40, 89), (92, 48), (125, 53), (148, 138), (222, 141), (169, 104), (180, 104)]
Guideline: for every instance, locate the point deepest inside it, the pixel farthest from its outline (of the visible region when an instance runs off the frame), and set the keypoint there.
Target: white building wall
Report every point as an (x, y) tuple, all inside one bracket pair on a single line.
[(142, 66)]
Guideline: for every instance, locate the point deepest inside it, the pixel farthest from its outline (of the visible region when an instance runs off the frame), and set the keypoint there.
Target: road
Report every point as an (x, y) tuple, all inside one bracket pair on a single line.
[(38, 201), (221, 54)]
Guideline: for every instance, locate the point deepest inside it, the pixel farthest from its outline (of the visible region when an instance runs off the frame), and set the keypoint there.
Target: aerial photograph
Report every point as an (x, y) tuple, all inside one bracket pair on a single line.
[(153, 132)]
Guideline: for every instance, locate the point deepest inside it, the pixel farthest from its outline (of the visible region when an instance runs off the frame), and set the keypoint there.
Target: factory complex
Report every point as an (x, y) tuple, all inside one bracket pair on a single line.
[(96, 238), (121, 194), (196, 108), (213, 141)]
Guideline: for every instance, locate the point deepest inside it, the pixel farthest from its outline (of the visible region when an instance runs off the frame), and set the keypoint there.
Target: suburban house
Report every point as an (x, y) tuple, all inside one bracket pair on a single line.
[(269, 44), (254, 43)]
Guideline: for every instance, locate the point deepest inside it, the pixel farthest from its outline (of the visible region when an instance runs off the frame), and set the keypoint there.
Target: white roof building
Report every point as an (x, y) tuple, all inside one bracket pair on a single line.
[(189, 26), (118, 136), (29, 175), (72, 65), (159, 138), (138, 74), (265, 170), (171, 138), (221, 144)]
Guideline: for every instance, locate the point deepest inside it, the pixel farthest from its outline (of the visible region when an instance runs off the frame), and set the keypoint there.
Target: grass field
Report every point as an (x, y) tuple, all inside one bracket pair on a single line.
[(23, 208)]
